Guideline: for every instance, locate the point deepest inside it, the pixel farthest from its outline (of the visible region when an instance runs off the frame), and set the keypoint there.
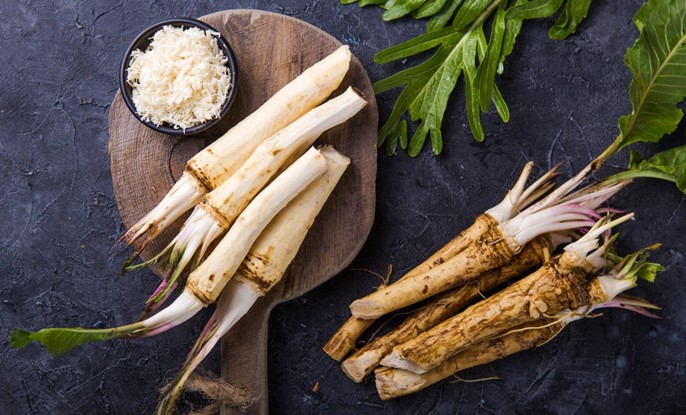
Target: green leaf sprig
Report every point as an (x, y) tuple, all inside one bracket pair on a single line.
[(429, 85), (461, 48)]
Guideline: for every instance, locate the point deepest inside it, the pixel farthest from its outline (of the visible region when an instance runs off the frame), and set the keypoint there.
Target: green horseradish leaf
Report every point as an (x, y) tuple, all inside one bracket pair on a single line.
[(658, 62)]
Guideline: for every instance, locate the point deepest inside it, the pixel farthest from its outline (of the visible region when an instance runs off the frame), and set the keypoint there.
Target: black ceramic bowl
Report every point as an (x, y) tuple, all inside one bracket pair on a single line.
[(142, 42)]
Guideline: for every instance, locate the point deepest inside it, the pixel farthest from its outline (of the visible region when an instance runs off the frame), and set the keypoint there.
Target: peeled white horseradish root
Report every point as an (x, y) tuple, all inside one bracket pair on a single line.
[(221, 207), (216, 163)]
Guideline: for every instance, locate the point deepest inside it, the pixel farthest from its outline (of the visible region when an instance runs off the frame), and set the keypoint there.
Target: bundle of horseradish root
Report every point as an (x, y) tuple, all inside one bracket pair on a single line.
[(256, 192), (555, 249)]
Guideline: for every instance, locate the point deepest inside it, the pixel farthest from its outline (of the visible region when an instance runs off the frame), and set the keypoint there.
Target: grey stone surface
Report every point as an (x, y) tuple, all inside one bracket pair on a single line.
[(59, 223)]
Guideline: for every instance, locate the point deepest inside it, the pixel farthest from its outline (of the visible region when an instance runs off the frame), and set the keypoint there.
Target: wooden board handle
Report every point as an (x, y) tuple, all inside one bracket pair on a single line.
[(244, 356)]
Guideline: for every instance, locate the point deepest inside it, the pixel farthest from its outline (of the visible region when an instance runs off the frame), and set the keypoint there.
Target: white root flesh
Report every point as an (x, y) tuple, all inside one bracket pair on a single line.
[(208, 280), (276, 247), (229, 199)]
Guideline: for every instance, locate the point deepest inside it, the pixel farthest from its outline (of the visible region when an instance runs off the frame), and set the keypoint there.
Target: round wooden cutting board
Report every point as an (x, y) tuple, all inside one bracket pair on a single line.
[(271, 50)]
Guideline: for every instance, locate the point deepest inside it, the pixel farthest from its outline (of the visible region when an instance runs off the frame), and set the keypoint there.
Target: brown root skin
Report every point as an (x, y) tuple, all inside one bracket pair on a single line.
[(393, 383), (210, 174), (344, 340), (458, 244), (257, 285), (445, 305), (547, 291), (199, 292), (489, 252)]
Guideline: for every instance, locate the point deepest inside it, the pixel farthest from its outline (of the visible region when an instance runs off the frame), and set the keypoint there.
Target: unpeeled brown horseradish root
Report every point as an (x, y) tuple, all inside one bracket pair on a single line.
[(445, 305), (517, 199), (533, 329), (393, 383)]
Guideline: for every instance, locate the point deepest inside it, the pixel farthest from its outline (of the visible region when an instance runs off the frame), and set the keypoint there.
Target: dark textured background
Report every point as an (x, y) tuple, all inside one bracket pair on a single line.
[(59, 222)]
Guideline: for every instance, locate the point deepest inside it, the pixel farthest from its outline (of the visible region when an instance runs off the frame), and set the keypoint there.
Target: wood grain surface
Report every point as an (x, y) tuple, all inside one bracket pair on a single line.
[(271, 50)]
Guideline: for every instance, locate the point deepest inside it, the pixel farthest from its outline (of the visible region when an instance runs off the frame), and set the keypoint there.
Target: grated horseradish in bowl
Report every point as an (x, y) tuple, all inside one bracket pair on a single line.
[(179, 77)]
